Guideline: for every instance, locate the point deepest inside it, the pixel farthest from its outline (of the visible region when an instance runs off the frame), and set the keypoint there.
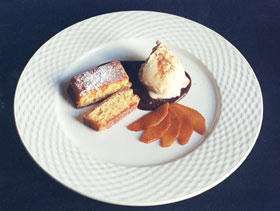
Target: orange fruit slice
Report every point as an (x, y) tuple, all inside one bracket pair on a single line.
[(196, 119), (151, 119), (173, 131), (156, 132), (186, 126)]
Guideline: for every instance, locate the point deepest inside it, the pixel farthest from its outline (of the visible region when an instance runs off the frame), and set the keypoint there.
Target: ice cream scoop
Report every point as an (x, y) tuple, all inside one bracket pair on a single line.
[(163, 74)]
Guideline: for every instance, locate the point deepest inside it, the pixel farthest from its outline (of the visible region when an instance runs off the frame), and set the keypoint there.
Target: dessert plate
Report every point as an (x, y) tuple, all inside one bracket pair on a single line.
[(114, 166)]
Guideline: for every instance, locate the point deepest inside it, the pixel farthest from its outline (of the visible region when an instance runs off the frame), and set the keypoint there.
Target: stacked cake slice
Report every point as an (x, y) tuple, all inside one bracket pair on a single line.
[(107, 81)]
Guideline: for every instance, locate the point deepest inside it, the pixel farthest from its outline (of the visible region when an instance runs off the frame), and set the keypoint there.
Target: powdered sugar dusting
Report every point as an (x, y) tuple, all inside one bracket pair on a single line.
[(98, 77)]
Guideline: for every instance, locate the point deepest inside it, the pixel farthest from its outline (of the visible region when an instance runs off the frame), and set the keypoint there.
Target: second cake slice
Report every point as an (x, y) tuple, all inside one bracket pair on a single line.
[(112, 110)]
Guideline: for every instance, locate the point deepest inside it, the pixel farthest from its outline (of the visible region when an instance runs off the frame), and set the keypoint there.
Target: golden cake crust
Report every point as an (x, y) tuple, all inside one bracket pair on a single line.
[(97, 125)]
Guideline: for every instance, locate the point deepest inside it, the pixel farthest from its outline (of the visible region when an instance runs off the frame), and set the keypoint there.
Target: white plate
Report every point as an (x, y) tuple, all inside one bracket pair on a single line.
[(114, 166)]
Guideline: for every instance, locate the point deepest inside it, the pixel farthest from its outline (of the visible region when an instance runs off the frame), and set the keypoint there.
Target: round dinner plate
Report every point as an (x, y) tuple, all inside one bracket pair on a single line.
[(114, 166)]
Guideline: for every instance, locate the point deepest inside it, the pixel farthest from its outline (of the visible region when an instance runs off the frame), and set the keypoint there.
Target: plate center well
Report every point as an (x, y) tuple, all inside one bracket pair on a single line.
[(118, 144)]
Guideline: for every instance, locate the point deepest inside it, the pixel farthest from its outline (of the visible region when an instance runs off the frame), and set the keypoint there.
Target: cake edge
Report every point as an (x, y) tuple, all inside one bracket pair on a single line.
[(94, 125)]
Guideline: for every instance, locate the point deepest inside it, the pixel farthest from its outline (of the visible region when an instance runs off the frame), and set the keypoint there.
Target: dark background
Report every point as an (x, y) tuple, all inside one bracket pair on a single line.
[(252, 26)]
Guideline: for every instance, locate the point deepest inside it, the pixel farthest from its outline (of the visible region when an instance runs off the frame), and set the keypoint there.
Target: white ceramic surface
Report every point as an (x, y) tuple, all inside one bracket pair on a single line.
[(114, 166)]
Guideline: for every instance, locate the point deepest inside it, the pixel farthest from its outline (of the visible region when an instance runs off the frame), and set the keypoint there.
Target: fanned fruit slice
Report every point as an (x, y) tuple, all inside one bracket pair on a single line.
[(197, 120), (186, 126), (173, 131), (151, 119), (156, 132)]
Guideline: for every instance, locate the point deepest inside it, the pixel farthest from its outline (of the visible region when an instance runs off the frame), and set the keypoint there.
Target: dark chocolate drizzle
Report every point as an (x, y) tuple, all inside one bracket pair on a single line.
[(146, 102)]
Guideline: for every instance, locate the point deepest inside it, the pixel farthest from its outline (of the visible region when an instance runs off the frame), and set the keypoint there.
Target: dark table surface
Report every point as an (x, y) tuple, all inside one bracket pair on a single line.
[(252, 26)]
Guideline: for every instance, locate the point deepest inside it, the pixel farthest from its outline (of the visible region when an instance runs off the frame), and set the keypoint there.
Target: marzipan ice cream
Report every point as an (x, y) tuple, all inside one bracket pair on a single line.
[(163, 74)]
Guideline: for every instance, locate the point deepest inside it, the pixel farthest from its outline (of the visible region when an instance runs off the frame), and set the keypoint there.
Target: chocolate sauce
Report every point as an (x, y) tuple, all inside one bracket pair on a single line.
[(146, 102)]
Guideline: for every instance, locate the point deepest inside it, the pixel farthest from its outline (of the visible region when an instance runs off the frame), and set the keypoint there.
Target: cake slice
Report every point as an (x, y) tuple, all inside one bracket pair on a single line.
[(98, 83), (112, 110)]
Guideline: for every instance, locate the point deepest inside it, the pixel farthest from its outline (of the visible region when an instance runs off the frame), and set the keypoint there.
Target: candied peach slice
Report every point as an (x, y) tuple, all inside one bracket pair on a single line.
[(197, 120), (156, 132), (151, 119), (173, 131), (186, 126), (185, 131)]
